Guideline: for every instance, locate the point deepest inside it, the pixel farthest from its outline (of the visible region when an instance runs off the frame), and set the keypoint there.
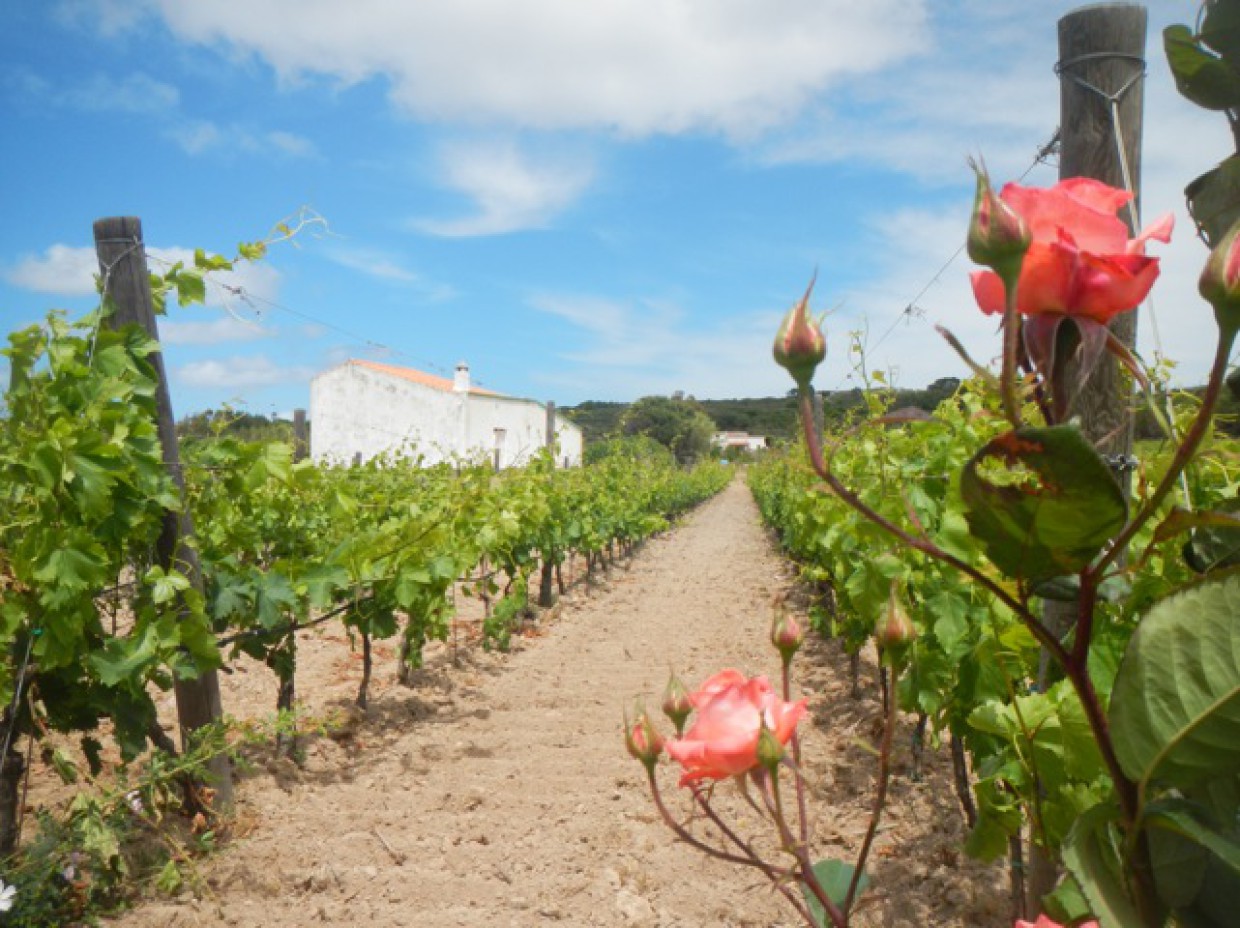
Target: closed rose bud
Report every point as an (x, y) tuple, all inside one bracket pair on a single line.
[(770, 751), (895, 630), (1220, 280), (998, 236), (676, 704), (800, 345), (643, 740), (787, 634)]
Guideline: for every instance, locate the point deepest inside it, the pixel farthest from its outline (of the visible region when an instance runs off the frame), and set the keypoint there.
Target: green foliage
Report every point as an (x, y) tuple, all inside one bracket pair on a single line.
[(85, 495), (834, 876), (1046, 504), (1169, 726), (1206, 67), (1035, 504), (680, 425)]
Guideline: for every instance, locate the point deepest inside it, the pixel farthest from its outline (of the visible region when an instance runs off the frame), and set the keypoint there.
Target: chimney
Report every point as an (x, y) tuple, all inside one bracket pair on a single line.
[(460, 383)]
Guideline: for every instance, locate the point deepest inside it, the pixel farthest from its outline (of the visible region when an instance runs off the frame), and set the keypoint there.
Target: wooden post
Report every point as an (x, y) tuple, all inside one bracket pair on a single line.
[(301, 435), (1101, 68), (127, 284), (550, 441)]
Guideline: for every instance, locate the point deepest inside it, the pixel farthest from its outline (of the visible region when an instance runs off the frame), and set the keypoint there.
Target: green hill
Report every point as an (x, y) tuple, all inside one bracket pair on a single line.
[(774, 417)]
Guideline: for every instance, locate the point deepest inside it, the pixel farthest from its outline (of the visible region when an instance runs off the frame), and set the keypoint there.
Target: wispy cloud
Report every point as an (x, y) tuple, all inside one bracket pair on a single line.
[(214, 332), (655, 342), (383, 265), (138, 94), (199, 136), (554, 64), (510, 189), (69, 270), (61, 269), (131, 93), (241, 373)]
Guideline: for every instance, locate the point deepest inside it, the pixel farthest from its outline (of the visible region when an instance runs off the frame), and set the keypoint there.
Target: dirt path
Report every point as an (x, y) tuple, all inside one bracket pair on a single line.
[(499, 793)]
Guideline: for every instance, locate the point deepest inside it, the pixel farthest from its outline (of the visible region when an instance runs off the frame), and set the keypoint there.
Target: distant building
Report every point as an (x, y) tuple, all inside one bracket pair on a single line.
[(362, 409), (740, 440)]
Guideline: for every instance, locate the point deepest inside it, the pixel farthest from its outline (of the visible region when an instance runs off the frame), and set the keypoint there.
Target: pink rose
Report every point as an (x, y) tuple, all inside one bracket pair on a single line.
[(722, 742), (1044, 922), (1081, 262)]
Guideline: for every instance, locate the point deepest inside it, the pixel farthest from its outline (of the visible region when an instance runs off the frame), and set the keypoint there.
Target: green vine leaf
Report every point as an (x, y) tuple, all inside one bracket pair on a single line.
[(1042, 502), (1175, 708), (1200, 76), (833, 876), (1091, 854)]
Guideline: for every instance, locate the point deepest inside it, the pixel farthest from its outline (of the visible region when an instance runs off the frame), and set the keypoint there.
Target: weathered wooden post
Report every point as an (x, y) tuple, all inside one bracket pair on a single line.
[(1101, 92), (301, 435), (127, 285), (1101, 69), (550, 439), (546, 580)]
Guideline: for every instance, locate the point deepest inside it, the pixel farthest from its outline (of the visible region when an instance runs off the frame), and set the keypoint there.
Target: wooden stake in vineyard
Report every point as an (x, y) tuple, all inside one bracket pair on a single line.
[(127, 284), (1101, 69)]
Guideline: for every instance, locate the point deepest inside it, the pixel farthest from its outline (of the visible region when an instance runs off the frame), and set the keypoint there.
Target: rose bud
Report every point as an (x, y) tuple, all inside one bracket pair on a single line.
[(895, 630), (676, 703), (998, 236), (1220, 280), (787, 634), (800, 345), (770, 749), (643, 740)]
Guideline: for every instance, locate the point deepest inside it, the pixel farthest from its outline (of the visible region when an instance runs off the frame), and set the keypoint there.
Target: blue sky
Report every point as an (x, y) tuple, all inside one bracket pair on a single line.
[(583, 200)]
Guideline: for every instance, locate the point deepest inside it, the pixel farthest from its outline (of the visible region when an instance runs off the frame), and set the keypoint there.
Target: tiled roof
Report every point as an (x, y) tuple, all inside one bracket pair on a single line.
[(421, 377)]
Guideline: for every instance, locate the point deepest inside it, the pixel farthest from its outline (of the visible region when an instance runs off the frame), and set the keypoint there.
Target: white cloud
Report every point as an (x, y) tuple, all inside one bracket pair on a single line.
[(133, 93), (241, 373), (382, 265), (224, 329), (510, 189), (200, 136), (730, 65), (653, 343), (68, 270), (61, 269)]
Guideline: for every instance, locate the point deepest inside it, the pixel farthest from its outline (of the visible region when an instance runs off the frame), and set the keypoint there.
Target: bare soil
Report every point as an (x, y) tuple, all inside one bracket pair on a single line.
[(496, 791)]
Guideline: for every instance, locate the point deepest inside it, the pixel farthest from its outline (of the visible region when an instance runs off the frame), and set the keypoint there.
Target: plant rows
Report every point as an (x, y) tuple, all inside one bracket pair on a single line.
[(91, 626), (1025, 761)]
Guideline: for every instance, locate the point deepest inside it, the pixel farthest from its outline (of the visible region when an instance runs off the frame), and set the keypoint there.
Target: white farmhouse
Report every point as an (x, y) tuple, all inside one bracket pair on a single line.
[(361, 409), (738, 440)]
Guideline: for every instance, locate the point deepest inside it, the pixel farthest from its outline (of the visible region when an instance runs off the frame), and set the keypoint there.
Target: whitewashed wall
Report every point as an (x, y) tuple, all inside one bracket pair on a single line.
[(357, 409)]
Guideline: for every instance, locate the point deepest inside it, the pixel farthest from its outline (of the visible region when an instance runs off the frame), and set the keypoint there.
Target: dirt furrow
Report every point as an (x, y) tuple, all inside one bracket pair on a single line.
[(498, 792)]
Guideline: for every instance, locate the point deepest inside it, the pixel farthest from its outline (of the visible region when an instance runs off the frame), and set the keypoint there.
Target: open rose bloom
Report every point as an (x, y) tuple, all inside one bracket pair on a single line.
[(730, 711), (1044, 922), (1081, 264)]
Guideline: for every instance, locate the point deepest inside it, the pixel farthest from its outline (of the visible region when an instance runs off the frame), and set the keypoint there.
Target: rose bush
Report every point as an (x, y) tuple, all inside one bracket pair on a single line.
[(731, 712)]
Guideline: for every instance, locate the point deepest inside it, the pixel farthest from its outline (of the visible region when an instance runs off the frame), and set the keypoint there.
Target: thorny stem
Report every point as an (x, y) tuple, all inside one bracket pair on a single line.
[(880, 794), (798, 780), (686, 836), (768, 787), (778, 877), (1011, 335)]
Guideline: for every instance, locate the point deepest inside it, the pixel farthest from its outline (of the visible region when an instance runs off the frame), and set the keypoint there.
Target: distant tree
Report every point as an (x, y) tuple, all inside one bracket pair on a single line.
[(678, 424), (632, 447), (215, 423)]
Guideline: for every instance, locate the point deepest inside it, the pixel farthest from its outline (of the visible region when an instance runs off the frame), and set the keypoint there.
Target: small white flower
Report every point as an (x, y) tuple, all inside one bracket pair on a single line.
[(7, 894), (134, 798)]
